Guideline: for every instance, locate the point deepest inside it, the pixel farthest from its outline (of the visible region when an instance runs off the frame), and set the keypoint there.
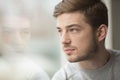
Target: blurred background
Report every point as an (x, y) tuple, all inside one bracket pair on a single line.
[(44, 42)]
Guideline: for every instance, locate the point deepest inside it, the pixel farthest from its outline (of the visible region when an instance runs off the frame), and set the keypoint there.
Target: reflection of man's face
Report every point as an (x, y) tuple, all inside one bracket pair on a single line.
[(14, 34)]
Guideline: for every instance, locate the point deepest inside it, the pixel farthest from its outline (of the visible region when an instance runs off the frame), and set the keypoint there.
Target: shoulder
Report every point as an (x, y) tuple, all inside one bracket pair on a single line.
[(31, 69), (65, 72), (116, 63), (115, 54)]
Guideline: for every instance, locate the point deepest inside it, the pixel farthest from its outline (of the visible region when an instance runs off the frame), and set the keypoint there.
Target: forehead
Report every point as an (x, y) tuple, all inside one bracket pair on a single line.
[(70, 18), (15, 22)]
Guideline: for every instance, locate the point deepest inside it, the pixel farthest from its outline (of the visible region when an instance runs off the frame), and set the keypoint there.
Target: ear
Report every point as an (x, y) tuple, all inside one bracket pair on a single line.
[(102, 32)]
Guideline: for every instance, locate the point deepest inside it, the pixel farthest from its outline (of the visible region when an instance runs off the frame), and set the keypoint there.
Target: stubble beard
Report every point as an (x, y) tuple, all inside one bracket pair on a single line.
[(91, 51)]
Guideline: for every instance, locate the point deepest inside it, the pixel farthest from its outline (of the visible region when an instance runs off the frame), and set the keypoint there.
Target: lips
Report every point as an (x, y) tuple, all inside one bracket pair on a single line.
[(69, 51)]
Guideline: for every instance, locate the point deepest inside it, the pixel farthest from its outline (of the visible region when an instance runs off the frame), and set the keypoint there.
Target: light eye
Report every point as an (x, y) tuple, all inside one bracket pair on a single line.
[(74, 30), (25, 31), (7, 32), (59, 32)]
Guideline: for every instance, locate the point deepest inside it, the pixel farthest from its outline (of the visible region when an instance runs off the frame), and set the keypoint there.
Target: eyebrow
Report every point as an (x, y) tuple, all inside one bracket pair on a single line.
[(69, 26)]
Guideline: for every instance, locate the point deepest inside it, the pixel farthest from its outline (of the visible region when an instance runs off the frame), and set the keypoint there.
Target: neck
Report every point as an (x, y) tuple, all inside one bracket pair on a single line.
[(97, 61)]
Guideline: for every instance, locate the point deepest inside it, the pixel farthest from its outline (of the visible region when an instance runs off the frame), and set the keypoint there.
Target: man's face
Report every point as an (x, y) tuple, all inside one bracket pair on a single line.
[(77, 37), (14, 34)]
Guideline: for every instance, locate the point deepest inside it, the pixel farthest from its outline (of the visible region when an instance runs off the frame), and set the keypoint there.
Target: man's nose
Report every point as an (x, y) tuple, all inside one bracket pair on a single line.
[(65, 38)]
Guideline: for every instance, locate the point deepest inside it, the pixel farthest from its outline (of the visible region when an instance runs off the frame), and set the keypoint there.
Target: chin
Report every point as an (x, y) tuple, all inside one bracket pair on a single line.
[(71, 59), (77, 58)]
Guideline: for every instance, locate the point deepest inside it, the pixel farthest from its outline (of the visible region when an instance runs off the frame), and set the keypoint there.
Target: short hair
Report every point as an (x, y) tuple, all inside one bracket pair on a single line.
[(95, 11)]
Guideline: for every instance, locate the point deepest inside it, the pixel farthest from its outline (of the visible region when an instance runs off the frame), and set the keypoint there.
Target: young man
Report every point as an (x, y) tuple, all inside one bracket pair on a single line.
[(14, 64), (83, 25)]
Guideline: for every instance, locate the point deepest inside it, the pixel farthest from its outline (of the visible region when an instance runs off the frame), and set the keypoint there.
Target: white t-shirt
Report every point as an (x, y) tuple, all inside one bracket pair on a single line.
[(21, 68), (110, 71)]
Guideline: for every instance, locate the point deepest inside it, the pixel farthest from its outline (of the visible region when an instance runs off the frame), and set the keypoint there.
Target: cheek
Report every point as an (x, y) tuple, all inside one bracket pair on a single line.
[(83, 41), (6, 39)]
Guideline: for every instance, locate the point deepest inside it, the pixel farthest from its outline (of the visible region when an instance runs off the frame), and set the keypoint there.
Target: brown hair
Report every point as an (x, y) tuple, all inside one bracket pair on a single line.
[(95, 11)]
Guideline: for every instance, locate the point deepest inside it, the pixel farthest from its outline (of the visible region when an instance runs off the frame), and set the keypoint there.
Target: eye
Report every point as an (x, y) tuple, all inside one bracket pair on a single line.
[(73, 30), (7, 32), (25, 31), (59, 30)]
